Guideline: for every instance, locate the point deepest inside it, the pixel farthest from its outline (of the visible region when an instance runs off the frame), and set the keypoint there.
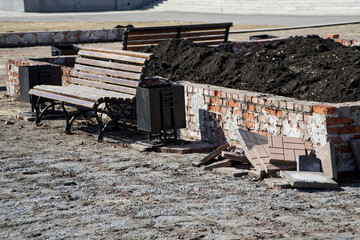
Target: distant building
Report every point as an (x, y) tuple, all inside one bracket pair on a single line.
[(71, 5)]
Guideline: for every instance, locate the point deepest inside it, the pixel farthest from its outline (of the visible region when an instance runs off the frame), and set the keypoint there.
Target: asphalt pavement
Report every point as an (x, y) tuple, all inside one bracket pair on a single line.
[(149, 16)]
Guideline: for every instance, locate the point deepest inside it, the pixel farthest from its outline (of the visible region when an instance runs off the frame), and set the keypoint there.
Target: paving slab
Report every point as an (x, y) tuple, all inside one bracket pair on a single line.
[(235, 157), (308, 179), (285, 149), (308, 164), (328, 161), (355, 147), (248, 140)]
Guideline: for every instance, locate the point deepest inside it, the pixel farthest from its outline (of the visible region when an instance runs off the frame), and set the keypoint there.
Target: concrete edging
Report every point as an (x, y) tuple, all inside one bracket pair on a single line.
[(26, 39)]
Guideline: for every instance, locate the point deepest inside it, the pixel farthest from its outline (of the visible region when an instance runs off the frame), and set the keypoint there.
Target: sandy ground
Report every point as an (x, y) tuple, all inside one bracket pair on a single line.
[(58, 186)]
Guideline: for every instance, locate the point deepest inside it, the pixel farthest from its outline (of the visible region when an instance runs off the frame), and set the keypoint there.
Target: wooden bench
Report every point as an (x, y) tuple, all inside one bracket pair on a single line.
[(103, 81), (208, 34)]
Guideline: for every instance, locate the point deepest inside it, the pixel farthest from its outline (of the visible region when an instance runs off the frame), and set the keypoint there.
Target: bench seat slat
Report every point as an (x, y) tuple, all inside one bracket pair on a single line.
[(62, 98), (103, 78), (103, 71), (149, 42), (110, 56), (183, 27), (150, 35), (82, 92), (106, 86), (122, 52), (113, 65)]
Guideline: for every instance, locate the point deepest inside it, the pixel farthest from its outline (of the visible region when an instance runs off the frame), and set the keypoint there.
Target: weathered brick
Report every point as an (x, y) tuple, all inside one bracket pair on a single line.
[(332, 36), (229, 95), (219, 101), (224, 110), (338, 121), (324, 109), (213, 108), (261, 101), (251, 107), (290, 105), (283, 104), (213, 100), (250, 124), (335, 140), (249, 116), (231, 103), (345, 148), (255, 100), (272, 112), (350, 129)]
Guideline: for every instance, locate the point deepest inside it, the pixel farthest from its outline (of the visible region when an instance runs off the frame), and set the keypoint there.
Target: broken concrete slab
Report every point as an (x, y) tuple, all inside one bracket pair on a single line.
[(328, 161), (308, 164), (355, 147), (276, 183), (308, 179), (231, 171), (219, 164)]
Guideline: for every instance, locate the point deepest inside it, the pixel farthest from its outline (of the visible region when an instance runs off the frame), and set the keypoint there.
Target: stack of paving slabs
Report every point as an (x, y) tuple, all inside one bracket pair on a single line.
[(271, 154)]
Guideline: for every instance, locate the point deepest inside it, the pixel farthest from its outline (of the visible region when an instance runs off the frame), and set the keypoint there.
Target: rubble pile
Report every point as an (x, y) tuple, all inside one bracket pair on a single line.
[(281, 161)]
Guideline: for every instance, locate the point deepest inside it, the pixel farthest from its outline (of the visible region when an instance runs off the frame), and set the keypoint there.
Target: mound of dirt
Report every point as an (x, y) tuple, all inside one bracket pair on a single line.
[(306, 68)]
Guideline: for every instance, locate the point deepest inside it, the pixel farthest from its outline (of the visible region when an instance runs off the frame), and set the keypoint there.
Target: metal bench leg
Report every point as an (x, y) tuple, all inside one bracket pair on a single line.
[(100, 124), (68, 125)]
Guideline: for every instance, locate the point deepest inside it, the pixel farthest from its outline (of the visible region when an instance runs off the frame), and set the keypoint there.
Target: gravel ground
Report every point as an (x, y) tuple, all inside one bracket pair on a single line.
[(57, 186)]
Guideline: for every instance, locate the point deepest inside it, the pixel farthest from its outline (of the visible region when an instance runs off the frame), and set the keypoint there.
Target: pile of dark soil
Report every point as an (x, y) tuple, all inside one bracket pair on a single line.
[(307, 68)]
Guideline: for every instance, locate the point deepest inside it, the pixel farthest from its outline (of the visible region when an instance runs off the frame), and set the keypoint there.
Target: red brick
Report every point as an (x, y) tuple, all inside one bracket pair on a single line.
[(220, 101), (278, 113), (231, 103), (333, 130), (249, 116), (335, 140), (332, 36), (345, 148), (248, 99), (338, 121), (324, 109), (213, 100), (237, 113), (237, 105), (225, 103), (214, 108), (350, 129), (272, 112), (251, 107), (229, 95), (217, 93)]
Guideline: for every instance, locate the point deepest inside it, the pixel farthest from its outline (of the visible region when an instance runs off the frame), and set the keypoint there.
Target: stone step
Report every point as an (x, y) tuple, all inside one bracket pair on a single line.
[(331, 7)]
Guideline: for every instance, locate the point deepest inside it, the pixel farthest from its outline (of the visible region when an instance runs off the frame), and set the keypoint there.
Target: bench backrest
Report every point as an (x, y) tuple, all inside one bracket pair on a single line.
[(208, 34), (115, 70)]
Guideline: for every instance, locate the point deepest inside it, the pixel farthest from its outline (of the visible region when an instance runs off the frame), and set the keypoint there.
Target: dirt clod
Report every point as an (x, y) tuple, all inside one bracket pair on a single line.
[(306, 68)]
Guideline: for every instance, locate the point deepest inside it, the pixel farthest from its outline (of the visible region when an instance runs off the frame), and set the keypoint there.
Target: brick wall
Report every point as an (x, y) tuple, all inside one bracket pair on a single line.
[(12, 70), (214, 114)]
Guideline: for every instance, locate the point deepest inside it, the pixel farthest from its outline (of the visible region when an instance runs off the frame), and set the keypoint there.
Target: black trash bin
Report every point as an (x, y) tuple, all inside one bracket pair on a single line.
[(64, 49), (160, 108)]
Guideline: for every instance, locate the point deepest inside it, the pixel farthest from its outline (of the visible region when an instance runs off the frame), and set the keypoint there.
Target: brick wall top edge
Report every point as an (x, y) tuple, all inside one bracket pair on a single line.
[(269, 96)]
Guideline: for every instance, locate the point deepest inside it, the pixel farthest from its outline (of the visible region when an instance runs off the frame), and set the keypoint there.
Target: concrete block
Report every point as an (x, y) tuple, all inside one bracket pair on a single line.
[(355, 147), (231, 171), (328, 162), (308, 179), (308, 164)]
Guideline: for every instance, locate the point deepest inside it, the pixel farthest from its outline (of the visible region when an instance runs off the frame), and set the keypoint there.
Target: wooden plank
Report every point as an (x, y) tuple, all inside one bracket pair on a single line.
[(111, 87), (114, 65), (117, 51), (66, 91), (112, 56), (61, 98), (110, 72), (182, 27), (101, 93), (103, 78), (212, 155), (146, 42), (152, 36), (190, 34), (206, 38)]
